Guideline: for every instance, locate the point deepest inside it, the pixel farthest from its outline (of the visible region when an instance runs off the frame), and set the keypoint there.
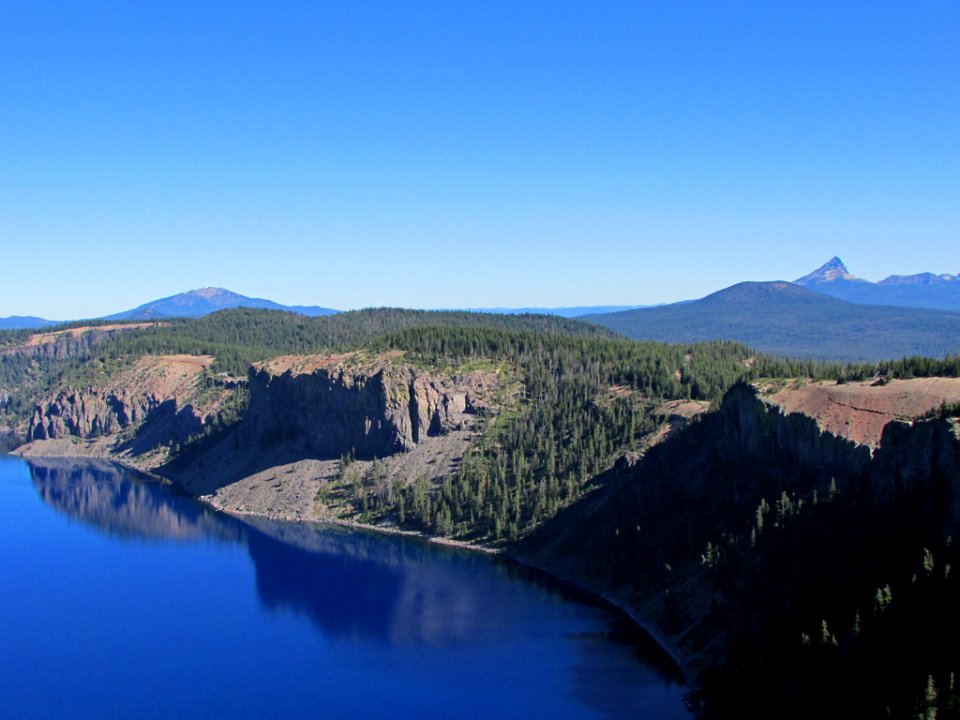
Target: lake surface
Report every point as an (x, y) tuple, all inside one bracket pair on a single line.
[(120, 598)]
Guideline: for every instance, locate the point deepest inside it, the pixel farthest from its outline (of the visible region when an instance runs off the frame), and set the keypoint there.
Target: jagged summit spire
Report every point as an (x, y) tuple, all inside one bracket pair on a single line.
[(830, 271)]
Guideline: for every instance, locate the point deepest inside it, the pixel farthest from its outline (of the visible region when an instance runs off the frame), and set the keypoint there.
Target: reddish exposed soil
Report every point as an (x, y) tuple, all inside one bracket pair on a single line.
[(860, 410), (48, 338)]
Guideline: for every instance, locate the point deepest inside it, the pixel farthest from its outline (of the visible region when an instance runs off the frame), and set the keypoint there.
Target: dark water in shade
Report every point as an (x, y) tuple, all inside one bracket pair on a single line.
[(120, 598)]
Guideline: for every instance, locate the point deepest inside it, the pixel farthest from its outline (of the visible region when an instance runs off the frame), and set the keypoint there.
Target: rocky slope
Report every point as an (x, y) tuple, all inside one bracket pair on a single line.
[(74, 342), (390, 418), (136, 416)]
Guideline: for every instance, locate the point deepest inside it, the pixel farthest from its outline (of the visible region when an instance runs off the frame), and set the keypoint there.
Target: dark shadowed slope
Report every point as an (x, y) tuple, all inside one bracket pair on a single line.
[(785, 319)]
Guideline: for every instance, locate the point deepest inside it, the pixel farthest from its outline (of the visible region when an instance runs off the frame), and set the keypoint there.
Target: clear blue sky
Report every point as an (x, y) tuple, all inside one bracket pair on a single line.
[(457, 154)]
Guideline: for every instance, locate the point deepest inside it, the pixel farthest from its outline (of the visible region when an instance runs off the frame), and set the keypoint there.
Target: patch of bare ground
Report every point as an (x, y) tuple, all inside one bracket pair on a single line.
[(678, 414), (66, 447), (306, 364), (313, 489), (164, 375), (49, 338), (860, 410), (104, 448)]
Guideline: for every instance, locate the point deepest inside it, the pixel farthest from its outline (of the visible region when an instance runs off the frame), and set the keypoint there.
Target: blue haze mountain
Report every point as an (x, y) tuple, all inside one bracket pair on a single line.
[(23, 322), (786, 319), (924, 290), (196, 303), (566, 312)]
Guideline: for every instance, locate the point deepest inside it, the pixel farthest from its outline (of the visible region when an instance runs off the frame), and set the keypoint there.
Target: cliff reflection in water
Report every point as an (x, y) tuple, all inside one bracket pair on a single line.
[(349, 583), (123, 503), (397, 589)]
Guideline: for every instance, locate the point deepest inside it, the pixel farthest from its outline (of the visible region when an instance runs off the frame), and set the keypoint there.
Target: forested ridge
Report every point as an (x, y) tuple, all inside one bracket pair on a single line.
[(240, 336), (236, 338), (786, 319), (587, 396)]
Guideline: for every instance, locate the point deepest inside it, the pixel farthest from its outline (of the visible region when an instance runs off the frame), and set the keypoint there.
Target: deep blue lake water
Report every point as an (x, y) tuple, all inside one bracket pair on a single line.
[(120, 598)]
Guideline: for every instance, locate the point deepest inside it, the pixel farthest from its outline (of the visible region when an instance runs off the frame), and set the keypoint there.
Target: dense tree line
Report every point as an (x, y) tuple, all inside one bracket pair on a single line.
[(844, 600), (241, 336), (13, 337)]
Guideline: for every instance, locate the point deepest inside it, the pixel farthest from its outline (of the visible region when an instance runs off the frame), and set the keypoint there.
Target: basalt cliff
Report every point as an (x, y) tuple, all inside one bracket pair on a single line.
[(366, 407), (138, 415)]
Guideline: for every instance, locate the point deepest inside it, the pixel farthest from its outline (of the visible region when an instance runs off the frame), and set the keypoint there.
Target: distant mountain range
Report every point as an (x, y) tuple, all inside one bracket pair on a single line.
[(827, 314), (196, 303), (190, 304), (786, 319), (203, 301), (566, 312), (23, 322), (925, 290)]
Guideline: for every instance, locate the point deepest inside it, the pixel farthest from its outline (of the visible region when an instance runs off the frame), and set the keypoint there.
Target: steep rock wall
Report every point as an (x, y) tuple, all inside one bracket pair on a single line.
[(155, 401), (372, 411)]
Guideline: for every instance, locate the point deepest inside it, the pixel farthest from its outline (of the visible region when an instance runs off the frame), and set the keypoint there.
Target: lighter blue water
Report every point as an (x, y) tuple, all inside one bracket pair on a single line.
[(120, 598)]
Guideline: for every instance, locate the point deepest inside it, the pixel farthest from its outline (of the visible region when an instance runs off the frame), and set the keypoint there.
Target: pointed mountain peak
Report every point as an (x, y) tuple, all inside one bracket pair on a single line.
[(830, 271)]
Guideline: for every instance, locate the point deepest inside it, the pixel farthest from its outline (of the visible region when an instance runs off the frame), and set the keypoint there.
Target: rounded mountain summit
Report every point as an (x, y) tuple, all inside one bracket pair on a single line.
[(203, 301)]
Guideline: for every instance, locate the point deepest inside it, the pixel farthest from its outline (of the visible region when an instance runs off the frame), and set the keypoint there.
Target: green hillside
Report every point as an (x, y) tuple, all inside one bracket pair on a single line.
[(785, 319)]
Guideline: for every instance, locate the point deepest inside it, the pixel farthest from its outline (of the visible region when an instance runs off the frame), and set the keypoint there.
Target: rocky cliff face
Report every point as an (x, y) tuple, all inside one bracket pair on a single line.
[(156, 401), (366, 407), (763, 432), (909, 451), (95, 412)]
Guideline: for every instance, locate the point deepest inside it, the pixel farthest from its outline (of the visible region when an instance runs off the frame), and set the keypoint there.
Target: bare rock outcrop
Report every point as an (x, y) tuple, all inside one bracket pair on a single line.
[(364, 406), (151, 403)]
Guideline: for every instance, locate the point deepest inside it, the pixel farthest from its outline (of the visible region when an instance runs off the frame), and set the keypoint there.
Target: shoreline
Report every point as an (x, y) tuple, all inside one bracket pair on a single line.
[(655, 635), (651, 632), (341, 522)]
